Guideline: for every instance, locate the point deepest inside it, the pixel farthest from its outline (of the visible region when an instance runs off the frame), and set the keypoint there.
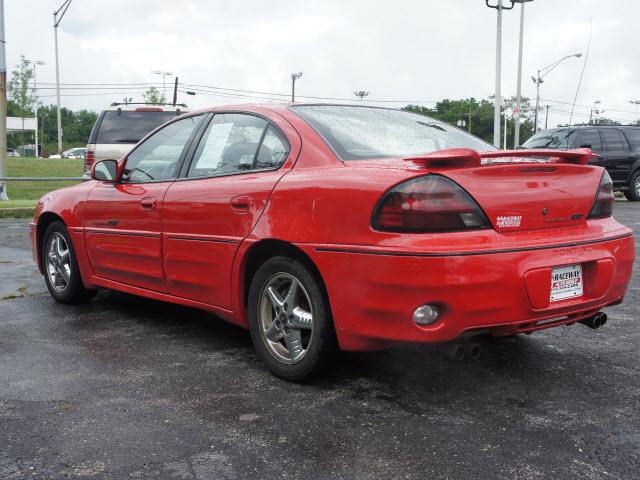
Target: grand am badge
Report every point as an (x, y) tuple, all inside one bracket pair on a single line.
[(509, 221)]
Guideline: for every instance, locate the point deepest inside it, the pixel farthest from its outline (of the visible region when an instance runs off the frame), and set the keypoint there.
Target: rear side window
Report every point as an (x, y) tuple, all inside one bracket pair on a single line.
[(273, 150), (613, 139), (128, 126), (633, 135), (591, 137)]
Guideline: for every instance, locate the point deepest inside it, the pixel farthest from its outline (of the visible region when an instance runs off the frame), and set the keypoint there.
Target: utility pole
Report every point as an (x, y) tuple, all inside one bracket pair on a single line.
[(56, 21), (469, 122), (518, 107), (3, 106), (546, 118), (175, 92), (294, 77)]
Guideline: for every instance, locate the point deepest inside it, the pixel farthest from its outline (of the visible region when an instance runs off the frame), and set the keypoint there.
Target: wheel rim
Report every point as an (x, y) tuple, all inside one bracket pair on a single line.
[(285, 316), (58, 262), (637, 185)]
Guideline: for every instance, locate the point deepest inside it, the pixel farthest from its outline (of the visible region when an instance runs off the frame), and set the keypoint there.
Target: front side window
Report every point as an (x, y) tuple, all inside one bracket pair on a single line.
[(157, 158), (558, 138), (232, 144), (356, 133)]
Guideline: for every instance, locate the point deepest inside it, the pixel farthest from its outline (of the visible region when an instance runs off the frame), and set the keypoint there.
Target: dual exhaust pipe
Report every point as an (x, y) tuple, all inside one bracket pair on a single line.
[(461, 350), (595, 322), (472, 350)]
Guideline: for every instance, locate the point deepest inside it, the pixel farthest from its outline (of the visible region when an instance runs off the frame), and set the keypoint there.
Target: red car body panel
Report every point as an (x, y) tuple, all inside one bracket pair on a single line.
[(191, 246)]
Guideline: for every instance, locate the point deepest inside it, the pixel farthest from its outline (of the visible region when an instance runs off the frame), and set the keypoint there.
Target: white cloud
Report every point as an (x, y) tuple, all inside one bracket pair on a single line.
[(408, 49)]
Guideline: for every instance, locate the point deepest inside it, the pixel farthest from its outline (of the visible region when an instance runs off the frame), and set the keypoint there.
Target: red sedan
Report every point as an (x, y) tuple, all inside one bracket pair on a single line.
[(321, 227)]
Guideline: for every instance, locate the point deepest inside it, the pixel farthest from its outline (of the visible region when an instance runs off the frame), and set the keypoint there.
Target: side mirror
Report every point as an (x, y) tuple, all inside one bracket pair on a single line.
[(105, 171)]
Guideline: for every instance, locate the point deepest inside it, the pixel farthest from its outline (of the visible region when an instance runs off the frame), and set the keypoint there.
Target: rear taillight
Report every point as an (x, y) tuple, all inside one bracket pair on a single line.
[(428, 204), (88, 160), (603, 204)]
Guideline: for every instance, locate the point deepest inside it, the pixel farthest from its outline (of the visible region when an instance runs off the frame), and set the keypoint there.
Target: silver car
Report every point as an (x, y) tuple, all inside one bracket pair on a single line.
[(121, 126)]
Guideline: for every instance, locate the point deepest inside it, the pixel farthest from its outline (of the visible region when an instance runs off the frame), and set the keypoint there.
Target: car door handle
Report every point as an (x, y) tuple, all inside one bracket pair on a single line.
[(148, 202), (240, 203)]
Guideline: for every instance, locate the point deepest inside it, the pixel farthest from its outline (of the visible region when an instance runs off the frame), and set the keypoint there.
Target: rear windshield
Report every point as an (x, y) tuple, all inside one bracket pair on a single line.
[(128, 126), (560, 138), (356, 133)]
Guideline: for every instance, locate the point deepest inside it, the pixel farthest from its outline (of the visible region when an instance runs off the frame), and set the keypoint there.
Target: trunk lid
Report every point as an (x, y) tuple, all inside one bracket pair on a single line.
[(531, 196)]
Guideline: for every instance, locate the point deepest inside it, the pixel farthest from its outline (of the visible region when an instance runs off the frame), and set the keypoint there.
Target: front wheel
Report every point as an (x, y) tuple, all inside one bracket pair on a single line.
[(633, 194), (61, 271), (290, 319)]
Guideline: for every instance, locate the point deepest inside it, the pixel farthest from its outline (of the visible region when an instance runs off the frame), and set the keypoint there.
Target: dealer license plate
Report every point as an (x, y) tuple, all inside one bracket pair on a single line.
[(566, 282)]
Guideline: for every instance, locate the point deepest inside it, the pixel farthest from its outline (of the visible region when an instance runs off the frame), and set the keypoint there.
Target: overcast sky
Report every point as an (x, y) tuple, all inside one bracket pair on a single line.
[(407, 50)]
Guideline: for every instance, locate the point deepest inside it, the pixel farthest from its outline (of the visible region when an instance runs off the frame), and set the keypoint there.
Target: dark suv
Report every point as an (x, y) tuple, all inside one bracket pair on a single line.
[(618, 148)]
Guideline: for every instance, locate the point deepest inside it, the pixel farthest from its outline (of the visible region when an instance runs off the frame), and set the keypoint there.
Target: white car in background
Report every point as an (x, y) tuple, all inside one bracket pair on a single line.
[(78, 152)]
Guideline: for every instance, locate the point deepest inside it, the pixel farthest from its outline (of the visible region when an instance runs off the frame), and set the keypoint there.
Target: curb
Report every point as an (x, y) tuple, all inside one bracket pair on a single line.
[(17, 212)]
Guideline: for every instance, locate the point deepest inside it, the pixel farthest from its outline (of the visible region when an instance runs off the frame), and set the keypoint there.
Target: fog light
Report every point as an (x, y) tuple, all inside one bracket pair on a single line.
[(426, 314)]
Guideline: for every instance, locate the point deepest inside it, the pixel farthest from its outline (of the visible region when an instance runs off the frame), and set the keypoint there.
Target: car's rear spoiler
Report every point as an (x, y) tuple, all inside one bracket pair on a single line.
[(467, 157)]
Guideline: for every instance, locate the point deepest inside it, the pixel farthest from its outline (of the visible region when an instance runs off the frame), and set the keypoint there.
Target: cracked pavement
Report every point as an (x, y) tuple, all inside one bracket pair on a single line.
[(125, 387)]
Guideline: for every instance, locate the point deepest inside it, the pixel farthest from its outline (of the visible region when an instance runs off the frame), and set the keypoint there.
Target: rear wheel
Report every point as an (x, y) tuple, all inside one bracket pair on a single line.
[(633, 194), (290, 319), (61, 272)]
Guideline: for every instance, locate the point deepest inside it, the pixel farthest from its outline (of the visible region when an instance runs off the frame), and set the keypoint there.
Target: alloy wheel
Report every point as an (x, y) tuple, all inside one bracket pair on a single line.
[(58, 262), (285, 316)]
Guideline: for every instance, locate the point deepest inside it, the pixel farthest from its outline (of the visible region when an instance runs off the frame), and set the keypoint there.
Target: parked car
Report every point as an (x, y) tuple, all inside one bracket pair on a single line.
[(12, 153), (326, 226), (119, 127), (617, 149), (78, 152), (75, 153)]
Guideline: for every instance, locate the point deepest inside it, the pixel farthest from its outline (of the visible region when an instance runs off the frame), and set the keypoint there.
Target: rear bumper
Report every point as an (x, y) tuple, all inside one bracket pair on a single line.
[(373, 294)]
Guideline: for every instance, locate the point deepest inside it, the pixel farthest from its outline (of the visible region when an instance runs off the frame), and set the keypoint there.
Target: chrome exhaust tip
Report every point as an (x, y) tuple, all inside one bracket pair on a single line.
[(595, 322)]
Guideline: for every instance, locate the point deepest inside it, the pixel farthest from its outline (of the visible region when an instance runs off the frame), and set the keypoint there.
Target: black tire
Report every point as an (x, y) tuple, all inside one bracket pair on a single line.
[(322, 344), (633, 194), (73, 291)]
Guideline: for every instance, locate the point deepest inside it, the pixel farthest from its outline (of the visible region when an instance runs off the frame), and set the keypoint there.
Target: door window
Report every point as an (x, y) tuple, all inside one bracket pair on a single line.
[(591, 137), (157, 158), (229, 145), (613, 138)]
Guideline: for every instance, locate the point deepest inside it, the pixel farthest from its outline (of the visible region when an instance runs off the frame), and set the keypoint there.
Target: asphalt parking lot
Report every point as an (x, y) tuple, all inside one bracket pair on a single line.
[(125, 387)]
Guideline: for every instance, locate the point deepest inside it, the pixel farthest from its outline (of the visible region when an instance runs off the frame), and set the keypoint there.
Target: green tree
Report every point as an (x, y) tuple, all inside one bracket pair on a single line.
[(153, 96), (478, 116), (20, 92)]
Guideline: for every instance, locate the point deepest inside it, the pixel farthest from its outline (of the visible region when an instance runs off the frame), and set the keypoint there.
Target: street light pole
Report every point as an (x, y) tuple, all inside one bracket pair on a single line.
[(497, 115), (543, 72), (56, 21), (636, 103), (3, 106), (294, 77), (35, 63), (518, 107), (164, 82)]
